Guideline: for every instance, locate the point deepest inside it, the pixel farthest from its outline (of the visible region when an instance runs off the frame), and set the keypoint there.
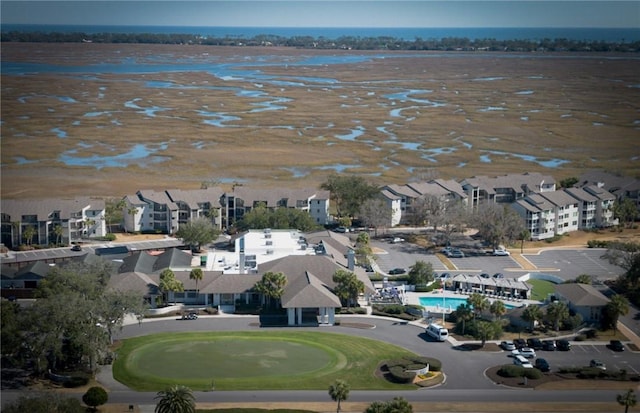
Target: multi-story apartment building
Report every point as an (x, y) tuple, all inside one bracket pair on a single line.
[(595, 206), (52, 221), (539, 215), (150, 211), (622, 187), (404, 199), (505, 189), (243, 199), (198, 203)]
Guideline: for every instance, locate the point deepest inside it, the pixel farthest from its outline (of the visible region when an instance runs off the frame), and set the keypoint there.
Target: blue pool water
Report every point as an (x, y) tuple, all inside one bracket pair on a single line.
[(448, 302)]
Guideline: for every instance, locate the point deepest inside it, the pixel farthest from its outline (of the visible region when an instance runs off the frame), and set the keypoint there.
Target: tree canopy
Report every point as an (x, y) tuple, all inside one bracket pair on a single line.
[(261, 217), (349, 193), (348, 286), (271, 285), (197, 232), (420, 273)]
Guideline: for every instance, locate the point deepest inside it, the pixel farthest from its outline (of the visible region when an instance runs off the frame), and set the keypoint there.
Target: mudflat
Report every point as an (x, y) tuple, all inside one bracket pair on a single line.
[(109, 119)]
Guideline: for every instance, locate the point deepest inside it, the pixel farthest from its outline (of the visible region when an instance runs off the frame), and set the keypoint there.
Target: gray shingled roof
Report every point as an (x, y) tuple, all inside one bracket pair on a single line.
[(194, 197), (308, 291), (582, 295), (42, 208), (172, 258), (134, 281)]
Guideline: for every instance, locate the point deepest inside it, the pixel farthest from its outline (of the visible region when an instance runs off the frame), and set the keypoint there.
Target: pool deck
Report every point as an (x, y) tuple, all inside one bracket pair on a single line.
[(413, 298)]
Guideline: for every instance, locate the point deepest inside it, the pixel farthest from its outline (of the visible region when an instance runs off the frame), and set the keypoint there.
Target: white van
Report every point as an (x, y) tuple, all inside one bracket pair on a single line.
[(437, 331), (521, 361)]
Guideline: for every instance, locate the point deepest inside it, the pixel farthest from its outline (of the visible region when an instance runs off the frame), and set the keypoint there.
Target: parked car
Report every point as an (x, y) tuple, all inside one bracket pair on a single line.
[(597, 364), (76, 247), (548, 345), (190, 316), (501, 253), (455, 254), (397, 240), (528, 352), (446, 250), (498, 275), (616, 345), (563, 345), (534, 343), (445, 276), (485, 275), (521, 361), (397, 271), (519, 342), (542, 365), (507, 345)]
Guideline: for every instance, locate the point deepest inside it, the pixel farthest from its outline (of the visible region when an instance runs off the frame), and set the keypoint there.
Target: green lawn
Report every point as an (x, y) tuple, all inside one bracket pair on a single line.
[(541, 289), (295, 360)]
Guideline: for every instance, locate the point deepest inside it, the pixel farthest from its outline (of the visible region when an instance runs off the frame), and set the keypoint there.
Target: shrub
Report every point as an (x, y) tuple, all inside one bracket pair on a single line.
[(591, 333), (580, 337), (399, 375), (510, 370), (95, 396), (110, 237), (434, 364), (533, 374), (590, 373)]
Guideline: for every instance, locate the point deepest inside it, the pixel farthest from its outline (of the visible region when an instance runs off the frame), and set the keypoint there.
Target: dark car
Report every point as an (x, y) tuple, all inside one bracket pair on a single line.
[(563, 345), (76, 248), (519, 343), (542, 365), (190, 316), (534, 343), (616, 345), (548, 345), (397, 271)]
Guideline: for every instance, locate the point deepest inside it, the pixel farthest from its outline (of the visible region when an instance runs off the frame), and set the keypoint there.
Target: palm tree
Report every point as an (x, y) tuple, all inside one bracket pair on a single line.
[(196, 274), (169, 283), (532, 314), (615, 308), (557, 312), (524, 235), (498, 309), (339, 391), (58, 232), (28, 234), (478, 302), (627, 399), (464, 313), (176, 399), (272, 285)]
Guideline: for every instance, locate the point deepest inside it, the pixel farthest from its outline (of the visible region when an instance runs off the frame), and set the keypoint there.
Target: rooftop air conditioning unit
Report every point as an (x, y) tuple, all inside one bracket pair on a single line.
[(269, 242), (269, 252)]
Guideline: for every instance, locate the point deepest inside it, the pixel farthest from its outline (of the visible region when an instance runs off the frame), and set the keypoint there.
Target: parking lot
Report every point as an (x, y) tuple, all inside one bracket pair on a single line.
[(564, 263)]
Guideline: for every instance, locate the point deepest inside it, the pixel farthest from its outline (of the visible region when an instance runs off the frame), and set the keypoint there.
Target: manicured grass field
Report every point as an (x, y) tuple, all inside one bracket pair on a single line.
[(541, 289), (295, 360)]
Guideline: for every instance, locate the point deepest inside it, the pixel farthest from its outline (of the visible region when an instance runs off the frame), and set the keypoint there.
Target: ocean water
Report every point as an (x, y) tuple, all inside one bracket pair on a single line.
[(406, 33)]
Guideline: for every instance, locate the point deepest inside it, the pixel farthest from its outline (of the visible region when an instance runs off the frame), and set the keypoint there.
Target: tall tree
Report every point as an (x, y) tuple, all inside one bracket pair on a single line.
[(478, 302), (196, 274), (625, 255), (421, 273), (498, 309), (339, 392), (28, 234), (532, 313), (197, 232), (175, 399), (363, 249), (271, 286), (486, 330), (133, 211), (616, 307), (627, 399), (114, 211), (524, 235), (557, 312), (626, 211), (169, 283), (498, 224), (464, 313), (348, 286), (58, 231), (348, 193), (375, 213)]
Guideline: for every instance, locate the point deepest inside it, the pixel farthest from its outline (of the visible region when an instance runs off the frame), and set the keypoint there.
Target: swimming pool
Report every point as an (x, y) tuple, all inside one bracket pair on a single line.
[(450, 303)]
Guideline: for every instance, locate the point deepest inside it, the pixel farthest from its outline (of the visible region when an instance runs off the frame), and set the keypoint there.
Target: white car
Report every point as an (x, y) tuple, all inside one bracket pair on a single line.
[(397, 240), (521, 361), (528, 352), (501, 253), (508, 346)]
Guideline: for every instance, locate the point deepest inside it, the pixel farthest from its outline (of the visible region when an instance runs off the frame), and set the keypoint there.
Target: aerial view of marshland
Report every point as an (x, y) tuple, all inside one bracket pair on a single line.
[(108, 119)]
